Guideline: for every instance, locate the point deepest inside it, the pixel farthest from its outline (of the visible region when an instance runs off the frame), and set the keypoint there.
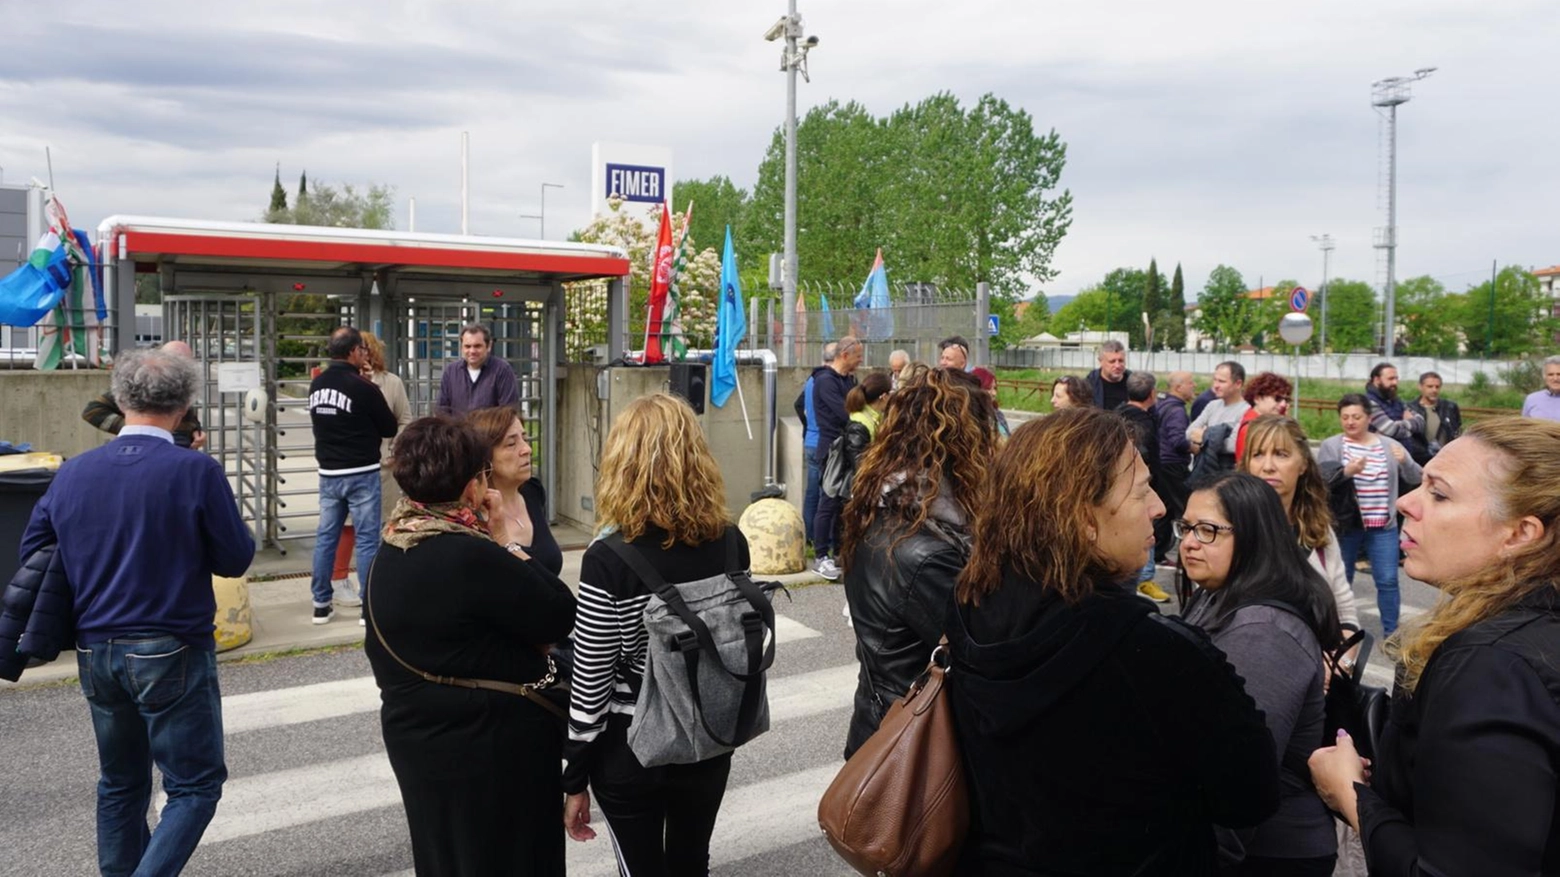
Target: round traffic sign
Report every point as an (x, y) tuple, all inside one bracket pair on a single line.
[(1299, 298)]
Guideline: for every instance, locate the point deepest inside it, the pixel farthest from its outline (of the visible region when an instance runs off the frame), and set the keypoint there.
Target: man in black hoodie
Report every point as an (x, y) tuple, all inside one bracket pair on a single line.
[(830, 385), (1142, 417), (350, 417)]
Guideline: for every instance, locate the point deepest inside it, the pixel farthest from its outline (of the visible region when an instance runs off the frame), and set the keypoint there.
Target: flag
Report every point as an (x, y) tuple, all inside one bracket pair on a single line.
[(660, 282), (801, 325), (874, 295), (729, 328), (828, 319), (672, 343)]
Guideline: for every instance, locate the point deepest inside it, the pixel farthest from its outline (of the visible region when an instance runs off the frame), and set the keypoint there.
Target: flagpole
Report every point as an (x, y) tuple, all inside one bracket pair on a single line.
[(741, 400)]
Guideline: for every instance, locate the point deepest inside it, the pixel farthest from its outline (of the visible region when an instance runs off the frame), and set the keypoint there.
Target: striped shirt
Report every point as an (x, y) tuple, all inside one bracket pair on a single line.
[(1371, 486), (610, 640)]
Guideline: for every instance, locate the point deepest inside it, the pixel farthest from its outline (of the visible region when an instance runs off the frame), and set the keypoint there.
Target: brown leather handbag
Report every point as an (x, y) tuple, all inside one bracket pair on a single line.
[(900, 807)]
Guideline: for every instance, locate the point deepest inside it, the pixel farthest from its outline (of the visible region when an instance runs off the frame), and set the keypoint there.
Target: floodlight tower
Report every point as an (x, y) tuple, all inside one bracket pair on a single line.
[(1324, 242), (793, 60), (1391, 93)]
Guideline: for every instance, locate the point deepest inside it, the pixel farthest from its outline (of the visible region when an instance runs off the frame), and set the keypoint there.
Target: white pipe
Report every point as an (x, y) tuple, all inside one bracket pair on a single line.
[(771, 392), (411, 214), (465, 191)]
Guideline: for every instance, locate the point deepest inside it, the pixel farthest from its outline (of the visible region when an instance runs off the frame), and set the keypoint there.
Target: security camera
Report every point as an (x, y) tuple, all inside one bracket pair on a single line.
[(810, 42), (777, 30)]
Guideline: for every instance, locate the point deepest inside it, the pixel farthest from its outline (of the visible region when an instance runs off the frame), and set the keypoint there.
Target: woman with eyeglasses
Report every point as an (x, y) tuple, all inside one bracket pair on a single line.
[(1272, 615), (452, 595), (1059, 672)]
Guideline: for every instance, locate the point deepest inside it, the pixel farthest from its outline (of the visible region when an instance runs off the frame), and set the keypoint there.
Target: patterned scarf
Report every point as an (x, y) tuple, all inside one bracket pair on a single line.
[(411, 522)]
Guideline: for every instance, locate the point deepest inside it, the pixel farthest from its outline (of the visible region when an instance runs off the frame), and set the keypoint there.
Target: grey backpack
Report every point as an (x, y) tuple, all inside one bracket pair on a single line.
[(710, 643)]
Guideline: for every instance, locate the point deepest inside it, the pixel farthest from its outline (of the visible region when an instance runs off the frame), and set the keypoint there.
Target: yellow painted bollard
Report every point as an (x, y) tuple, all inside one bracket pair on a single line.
[(776, 539), (235, 620)]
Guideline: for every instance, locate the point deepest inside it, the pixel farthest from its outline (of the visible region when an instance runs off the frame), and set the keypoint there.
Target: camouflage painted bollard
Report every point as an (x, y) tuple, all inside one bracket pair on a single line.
[(776, 540), (235, 620)]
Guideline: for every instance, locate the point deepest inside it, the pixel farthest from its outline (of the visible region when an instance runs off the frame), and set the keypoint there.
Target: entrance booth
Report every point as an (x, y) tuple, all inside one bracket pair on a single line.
[(256, 303)]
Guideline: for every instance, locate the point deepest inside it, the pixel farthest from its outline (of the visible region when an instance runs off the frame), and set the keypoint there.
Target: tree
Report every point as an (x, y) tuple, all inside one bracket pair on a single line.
[(345, 207), (1425, 311), (1267, 312), (1085, 312), (278, 194), (1522, 320), (1153, 299), (1351, 315), (953, 195), (717, 203), (1227, 314), (1170, 325)]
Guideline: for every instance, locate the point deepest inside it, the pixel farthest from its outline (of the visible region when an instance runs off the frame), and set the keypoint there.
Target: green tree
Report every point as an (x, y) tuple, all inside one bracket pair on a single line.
[(1265, 314), (717, 203), (1425, 311), (1036, 319), (1170, 325), (1154, 299), (1227, 314), (1522, 321), (344, 207), (278, 194), (1351, 315), (1085, 312)]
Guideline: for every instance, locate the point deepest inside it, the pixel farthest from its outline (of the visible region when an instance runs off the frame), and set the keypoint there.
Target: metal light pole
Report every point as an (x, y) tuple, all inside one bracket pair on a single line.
[(542, 220), (793, 60), (1390, 93), (1325, 244)]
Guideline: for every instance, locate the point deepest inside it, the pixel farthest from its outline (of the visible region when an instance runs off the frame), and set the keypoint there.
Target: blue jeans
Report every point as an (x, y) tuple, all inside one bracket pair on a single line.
[(814, 490), (1381, 549), (340, 494), (1146, 574), (155, 700)]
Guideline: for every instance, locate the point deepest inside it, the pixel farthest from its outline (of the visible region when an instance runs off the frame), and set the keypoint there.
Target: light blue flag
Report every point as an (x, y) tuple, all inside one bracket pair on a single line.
[(730, 328), (828, 319), (879, 325)]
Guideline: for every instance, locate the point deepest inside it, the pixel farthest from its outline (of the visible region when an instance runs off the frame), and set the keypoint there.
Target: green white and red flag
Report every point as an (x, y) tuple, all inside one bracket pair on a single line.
[(660, 286), (673, 344)]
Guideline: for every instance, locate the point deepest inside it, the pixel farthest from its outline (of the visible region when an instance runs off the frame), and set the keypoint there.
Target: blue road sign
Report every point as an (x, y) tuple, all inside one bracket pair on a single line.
[(993, 324), (1298, 299)]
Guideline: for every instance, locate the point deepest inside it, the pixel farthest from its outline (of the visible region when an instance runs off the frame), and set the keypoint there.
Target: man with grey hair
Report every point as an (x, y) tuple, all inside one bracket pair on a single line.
[(1545, 403), (807, 414), (1175, 457), (829, 391), (898, 361), (482, 381), (1141, 417), (1109, 380), (103, 413), (140, 526)]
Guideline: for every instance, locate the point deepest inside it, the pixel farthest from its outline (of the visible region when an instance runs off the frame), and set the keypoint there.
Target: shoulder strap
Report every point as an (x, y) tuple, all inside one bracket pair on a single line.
[(758, 625), (527, 691)]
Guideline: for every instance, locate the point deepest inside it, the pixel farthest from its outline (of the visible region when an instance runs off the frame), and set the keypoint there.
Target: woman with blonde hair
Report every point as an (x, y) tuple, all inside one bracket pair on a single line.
[(661, 490), (523, 501), (1276, 451), (907, 532), (394, 390), (1465, 777), (1058, 670)]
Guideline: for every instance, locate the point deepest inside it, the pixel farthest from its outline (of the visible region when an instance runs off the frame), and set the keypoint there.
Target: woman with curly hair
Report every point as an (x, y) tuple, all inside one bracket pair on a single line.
[(661, 490), (1070, 391), (1267, 393), (1276, 451), (1467, 774), (1059, 670), (907, 532)]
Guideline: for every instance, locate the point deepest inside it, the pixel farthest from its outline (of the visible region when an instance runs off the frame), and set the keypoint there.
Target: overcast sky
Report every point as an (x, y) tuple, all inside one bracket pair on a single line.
[(1200, 132)]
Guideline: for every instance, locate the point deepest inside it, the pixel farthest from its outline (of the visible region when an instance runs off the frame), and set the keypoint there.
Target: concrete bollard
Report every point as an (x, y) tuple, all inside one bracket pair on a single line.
[(776, 540), (235, 620)]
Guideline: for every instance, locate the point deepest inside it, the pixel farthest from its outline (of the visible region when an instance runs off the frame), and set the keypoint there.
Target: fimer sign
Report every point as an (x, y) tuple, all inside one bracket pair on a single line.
[(636, 183)]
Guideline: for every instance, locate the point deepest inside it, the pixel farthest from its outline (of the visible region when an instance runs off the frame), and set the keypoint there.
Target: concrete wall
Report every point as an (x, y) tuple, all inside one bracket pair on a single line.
[(584, 419), (1339, 366), (44, 409)]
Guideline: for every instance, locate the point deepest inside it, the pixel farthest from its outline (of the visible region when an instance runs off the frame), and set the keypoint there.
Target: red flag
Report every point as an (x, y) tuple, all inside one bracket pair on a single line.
[(660, 281)]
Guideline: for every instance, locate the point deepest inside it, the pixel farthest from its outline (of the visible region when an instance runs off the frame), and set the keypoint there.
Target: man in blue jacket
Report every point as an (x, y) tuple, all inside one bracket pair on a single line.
[(809, 418), (830, 385), (142, 525)]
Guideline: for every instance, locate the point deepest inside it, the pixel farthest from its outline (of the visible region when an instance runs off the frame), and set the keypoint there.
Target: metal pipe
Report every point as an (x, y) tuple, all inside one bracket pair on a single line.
[(771, 366), (788, 272)]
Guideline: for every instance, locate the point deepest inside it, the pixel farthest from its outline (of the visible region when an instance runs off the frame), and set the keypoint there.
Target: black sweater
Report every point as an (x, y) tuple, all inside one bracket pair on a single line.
[(1465, 777), (350, 418), (1053, 704)]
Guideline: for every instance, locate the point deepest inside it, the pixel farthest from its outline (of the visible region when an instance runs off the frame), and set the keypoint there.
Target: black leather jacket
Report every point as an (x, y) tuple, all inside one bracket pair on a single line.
[(898, 604)]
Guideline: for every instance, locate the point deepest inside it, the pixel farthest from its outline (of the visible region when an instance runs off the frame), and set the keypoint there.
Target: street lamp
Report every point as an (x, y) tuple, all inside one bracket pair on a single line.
[(793, 60), (1390, 93), (1324, 242), (543, 218)]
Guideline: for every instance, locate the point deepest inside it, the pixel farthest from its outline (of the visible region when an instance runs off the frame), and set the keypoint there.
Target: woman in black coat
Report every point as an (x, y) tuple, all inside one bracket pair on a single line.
[(1465, 780), (907, 532), (455, 596), (1060, 673)]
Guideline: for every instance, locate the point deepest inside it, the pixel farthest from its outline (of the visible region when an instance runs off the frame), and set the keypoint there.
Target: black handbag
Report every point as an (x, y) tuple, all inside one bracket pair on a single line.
[(1352, 705)]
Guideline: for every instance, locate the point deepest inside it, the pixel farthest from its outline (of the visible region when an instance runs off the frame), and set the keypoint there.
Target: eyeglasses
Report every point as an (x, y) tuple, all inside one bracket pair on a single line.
[(1203, 531), (486, 474)]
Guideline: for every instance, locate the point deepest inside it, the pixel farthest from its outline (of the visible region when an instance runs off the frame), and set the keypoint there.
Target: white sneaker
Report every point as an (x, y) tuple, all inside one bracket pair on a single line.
[(346, 593), (827, 568)]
